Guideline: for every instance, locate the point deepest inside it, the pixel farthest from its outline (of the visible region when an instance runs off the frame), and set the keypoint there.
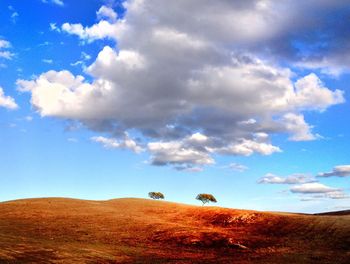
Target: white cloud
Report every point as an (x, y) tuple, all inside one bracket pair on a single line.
[(46, 43), (4, 53), (106, 12), (14, 14), (311, 93), (47, 89), (298, 128), (237, 167), (83, 58), (7, 101), (53, 27), (103, 29), (177, 153), (250, 121), (4, 44), (48, 61), (197, 149), (246, 147), (339, 171), (306, 185), (337, 195), (14, 17), (188, 168), (112, 143), (175, 75), (270, 178), (77, 63), (324, 66), (28, 118), (313, 187), (198, 138), (56, 2)]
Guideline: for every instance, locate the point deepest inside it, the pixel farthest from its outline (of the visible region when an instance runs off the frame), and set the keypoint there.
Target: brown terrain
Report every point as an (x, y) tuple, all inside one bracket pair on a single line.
[(58, 230)]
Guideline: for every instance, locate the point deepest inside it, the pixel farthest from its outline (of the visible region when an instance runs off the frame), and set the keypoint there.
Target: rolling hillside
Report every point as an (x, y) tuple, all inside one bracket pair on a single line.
[(59, 230)]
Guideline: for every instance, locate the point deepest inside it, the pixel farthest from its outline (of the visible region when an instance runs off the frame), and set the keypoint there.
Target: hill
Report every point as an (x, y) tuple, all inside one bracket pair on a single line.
[(58, 230), (344, 212)]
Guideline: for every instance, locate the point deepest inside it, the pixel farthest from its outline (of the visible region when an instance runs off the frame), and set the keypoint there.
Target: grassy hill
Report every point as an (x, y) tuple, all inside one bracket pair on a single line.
[(59, 230)]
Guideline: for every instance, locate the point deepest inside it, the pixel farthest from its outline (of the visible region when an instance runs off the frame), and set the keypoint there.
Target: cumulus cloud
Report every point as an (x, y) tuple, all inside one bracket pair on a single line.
[(186, 82), (7, 101), (270, 178), (321, 97), (107, 27), (246, 147), (106, 12), (339, 171), (298, 128), (182, 154), (103, 29), (112, 143)]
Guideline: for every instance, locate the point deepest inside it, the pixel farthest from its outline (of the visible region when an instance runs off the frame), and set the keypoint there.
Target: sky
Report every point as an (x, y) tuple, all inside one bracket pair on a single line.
[(247, 100)]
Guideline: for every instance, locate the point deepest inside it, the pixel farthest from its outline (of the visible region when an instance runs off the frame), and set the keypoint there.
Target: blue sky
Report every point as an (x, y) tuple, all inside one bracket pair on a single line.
[(118, 98)]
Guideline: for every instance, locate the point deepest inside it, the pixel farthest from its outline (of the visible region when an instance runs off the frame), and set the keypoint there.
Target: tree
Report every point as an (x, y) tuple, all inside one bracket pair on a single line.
[(206, 198), (156, 195)]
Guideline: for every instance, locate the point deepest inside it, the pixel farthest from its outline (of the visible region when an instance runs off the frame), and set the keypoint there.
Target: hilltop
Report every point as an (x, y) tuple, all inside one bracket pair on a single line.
[(60, 230)]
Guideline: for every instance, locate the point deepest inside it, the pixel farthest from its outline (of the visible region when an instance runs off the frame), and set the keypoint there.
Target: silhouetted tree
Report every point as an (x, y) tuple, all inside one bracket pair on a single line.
[(206, 198), (156, 195)]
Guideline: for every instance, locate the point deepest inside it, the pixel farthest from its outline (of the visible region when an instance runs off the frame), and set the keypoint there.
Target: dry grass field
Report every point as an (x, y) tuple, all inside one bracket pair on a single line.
[(59, 230)]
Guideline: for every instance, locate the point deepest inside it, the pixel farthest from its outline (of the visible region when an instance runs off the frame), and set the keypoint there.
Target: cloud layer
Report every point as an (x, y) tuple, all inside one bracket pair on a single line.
[(185, 82)]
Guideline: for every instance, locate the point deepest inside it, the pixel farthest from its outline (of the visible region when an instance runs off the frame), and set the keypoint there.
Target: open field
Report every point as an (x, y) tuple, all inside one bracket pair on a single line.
[(59, 230)]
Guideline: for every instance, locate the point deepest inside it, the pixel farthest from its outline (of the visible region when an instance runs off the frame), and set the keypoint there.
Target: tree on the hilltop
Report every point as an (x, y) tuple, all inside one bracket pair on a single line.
[(206, 198), (156, 195)]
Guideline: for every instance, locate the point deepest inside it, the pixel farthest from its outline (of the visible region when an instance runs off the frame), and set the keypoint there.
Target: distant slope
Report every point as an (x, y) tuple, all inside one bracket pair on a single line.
[(344, 212), (58, 230)]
